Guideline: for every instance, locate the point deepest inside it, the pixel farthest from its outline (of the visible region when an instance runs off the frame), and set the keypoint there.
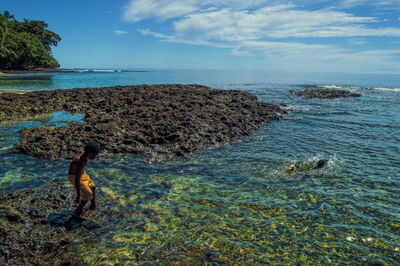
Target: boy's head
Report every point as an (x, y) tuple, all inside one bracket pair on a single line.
[(92, 149)]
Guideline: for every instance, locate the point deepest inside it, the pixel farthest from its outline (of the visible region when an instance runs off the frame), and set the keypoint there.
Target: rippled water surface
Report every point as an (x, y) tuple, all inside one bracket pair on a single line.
[(237, 203)]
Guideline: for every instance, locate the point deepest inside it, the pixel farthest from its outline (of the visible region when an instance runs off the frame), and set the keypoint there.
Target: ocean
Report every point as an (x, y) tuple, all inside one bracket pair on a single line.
[(237, 203)]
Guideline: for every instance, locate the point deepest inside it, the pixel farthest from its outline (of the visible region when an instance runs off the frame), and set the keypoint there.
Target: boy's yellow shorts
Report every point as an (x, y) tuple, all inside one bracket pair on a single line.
[(85, 184)]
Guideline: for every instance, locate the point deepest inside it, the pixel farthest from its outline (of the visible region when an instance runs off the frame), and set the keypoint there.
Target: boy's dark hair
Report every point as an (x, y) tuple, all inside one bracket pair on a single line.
[(92, 147)]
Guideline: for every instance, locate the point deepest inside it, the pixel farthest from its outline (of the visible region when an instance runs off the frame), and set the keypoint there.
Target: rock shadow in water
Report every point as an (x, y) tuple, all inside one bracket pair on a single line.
[(70, 221)]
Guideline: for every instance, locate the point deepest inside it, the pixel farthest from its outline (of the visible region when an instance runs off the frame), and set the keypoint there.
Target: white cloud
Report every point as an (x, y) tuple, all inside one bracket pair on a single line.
[(372, 6), (352, 3), (357, 41), (162, 9), (290, 50), (153, 34), (138, 10), (274, 22), (233, 24), (256, 47), (170, 38), (120, 32), (277, 30), (294, 56)]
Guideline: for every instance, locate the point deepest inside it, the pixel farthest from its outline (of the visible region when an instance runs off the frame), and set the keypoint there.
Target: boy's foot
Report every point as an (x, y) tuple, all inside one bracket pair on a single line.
[(83, 213), (92, 206)]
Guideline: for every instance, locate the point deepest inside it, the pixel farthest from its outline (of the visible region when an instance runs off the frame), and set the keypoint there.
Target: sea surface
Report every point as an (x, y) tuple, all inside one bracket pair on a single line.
[(237, 203)]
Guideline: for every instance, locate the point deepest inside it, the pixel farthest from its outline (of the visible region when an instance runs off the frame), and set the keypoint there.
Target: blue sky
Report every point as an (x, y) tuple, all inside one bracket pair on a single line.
[(356, 36)]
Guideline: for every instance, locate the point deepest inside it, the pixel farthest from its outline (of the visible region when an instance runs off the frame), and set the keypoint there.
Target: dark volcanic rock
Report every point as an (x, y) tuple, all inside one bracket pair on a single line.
[(158, 121), (28, 235), (324, 93)]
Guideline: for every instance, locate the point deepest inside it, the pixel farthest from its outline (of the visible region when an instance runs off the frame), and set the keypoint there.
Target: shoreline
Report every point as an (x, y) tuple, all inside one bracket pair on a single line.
[(66, 70), (12, 91), (36, 71)]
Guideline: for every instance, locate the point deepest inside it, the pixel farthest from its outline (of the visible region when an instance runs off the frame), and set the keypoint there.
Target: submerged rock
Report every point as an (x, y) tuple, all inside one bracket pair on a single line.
[(60, 219), (30, 233), (38, 226), (74, 222), (158, 121), (324, 93)]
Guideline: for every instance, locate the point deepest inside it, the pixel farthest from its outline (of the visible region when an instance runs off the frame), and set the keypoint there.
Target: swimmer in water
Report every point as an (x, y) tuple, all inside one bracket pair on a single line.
[(292, 168)]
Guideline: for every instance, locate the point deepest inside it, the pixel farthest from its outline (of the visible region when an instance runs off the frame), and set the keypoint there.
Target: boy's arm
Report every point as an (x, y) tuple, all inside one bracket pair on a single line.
[(79, 172)]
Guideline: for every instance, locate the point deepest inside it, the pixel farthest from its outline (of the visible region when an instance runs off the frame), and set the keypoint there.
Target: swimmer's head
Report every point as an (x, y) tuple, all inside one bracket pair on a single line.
[(321, 163), (291, 169)]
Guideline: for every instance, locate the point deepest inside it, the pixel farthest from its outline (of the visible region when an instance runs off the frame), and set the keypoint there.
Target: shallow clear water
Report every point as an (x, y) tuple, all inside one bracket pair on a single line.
[(237, 203)]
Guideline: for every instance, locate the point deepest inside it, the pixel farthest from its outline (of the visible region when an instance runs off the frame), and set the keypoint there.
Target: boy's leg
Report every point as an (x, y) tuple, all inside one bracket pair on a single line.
[(93, 201), (79, 210)]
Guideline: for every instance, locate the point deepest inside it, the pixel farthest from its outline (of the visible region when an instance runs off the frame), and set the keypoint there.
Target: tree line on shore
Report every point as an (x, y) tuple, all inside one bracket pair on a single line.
[(27, 44)]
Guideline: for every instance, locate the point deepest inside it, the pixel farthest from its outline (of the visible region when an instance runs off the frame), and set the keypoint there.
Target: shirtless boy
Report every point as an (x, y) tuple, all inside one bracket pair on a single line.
[(84, 186)]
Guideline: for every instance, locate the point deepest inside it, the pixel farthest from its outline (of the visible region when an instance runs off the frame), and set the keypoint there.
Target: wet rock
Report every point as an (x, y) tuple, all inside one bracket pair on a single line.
[(70, 221), (13, 217), (151, 215), (90, 225), (139, 225), (3, 232), (158, 121), (324, 93), (11, 214), (60, 218), (212, 256), (25, 235), (73, 222)]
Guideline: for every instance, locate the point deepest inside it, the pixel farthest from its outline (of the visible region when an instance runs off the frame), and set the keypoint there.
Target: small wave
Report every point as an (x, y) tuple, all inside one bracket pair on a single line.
[(308, 165), (244, 84), (96, 70), (304, 167), (293, 107), (294, 117), (322, 86), (104, 70), (331, 87), (388, 89), (349, 87)]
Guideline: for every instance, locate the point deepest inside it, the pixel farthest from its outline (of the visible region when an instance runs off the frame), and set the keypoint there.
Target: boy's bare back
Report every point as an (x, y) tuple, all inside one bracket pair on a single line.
[(76, 166)]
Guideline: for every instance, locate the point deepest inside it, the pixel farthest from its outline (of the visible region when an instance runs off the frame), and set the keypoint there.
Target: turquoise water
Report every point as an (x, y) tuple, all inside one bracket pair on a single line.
[(237, 203)]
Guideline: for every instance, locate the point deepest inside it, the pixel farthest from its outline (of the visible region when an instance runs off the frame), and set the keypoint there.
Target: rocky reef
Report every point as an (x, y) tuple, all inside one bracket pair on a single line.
[(26, 234), (324, 93), (157, 121), (38, 226)]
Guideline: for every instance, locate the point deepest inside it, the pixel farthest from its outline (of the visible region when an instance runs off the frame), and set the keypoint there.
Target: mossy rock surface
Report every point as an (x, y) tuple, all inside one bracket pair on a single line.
[(27, 235), (158, 121)]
